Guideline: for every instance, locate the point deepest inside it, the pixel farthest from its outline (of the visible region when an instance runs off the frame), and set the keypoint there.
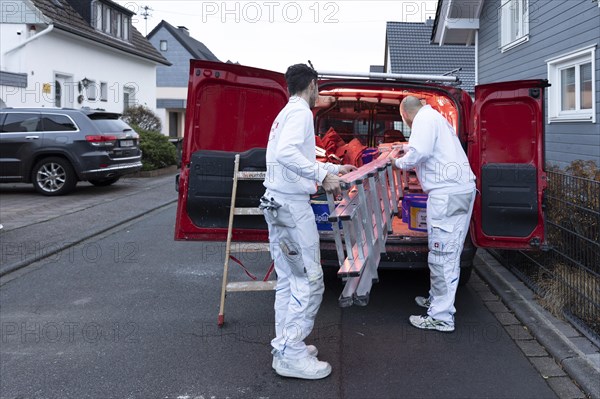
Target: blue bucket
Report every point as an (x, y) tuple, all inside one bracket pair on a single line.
[(417, 215), (407, 200), (369, 154)]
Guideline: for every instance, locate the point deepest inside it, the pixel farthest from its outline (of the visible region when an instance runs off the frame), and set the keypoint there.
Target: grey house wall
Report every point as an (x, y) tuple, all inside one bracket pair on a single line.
[(556, 27), (176, 75)]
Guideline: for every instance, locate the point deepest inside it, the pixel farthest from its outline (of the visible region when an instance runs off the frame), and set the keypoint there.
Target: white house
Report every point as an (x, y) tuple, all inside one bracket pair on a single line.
[(74, 53)]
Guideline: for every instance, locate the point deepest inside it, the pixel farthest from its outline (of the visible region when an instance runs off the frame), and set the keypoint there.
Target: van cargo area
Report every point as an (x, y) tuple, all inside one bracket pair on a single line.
[(370, 119), (351, 125)]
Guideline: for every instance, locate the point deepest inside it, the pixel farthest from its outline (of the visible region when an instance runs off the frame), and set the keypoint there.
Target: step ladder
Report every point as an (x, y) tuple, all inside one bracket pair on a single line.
[(242, 286), (370, 202)]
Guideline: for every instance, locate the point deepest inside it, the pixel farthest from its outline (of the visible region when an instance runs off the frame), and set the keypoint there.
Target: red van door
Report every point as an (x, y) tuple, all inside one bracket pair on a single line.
[(230, 110), (506, 152)]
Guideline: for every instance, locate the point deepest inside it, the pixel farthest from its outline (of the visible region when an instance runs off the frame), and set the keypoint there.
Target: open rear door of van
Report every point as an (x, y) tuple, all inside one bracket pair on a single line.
[(230, 110), (506, 152)]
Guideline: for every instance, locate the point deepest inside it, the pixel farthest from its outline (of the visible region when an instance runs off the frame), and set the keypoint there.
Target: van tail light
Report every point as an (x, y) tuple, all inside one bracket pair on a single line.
[(101, 140)]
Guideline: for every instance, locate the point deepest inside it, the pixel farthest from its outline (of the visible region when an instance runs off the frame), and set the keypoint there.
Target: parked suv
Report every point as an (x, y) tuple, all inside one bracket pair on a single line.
[(55, 148)]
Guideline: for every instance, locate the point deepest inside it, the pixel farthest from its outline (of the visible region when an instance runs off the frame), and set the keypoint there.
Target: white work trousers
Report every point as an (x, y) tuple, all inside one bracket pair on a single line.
[(448, 217), (294, 247)]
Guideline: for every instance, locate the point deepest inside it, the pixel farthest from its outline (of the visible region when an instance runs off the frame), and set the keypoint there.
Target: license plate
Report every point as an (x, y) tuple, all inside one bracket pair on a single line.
[(126, 143)]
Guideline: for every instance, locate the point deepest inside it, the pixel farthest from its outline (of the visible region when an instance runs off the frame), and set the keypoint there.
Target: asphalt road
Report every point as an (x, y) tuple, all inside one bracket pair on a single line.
[(132, 314)]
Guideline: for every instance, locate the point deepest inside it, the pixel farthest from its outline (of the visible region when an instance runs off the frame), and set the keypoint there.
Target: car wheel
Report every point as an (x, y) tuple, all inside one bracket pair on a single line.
[(53, 176), (104, 182)]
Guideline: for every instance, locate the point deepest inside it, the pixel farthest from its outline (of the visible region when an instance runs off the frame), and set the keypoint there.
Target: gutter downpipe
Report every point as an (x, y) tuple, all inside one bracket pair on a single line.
[(476, 57), (32, 38)]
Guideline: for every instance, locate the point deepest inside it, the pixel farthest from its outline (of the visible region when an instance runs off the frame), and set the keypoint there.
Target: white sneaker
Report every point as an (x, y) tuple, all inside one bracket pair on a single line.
[(427, 322), (423, 302), (308, 368), (312, 351)]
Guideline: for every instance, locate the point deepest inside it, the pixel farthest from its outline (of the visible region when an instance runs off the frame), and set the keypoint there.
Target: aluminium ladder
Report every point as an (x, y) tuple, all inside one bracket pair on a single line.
[(242, 286), (370, 203)]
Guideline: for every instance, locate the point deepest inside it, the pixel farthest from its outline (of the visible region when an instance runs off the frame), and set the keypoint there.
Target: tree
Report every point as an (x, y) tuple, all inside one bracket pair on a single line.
[(143, 117)]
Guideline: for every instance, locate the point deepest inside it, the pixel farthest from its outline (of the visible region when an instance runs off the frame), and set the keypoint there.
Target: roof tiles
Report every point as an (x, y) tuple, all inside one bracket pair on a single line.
[(410, 51)]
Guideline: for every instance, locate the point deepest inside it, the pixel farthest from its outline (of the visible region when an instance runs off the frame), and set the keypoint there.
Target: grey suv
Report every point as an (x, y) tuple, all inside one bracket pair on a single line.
[(55, 148)]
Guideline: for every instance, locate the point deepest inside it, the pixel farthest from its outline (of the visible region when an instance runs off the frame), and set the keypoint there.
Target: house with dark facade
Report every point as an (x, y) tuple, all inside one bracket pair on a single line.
[(555, 40), (176, 45), (408, 50), (74, 53)]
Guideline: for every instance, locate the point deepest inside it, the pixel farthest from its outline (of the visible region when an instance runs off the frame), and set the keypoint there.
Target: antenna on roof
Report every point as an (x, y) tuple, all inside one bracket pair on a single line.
[(146, 13)]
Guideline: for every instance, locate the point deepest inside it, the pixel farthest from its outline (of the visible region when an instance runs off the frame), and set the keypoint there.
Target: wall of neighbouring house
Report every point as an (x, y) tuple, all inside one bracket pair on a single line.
[(75, 58), (556, 28), (176, 75), (171, 81)]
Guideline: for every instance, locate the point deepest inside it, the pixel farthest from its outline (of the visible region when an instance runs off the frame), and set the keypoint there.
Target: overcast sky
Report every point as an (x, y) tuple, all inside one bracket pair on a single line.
[(334, 35)]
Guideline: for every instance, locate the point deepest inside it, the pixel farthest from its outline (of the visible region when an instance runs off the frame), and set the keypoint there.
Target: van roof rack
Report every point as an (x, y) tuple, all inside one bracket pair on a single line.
[(391, 76)]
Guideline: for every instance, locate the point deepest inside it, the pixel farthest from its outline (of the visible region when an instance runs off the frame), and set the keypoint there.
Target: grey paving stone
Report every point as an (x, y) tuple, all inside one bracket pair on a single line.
[(595, 359), (480, 287), (547, 367), (532, 348), (507, 319), (567, 329), (488, 295), (565, 388), (496, 307), (518, 332), (584, 345), (475, 278)]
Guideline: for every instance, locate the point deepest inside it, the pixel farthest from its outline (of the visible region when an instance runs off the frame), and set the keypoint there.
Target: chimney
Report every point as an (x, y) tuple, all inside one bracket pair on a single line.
[(429, 22), (184, 30)]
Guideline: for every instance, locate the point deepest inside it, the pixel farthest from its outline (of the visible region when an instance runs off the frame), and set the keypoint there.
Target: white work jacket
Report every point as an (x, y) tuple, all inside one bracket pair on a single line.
[(292, 168), (435, 152)]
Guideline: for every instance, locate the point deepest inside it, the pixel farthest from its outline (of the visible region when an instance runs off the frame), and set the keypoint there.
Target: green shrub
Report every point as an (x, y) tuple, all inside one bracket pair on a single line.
[(142, 117), (157, 151)]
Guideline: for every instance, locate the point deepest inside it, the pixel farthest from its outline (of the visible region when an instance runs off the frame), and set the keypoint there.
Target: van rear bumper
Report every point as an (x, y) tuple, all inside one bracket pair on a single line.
[(400, 256)]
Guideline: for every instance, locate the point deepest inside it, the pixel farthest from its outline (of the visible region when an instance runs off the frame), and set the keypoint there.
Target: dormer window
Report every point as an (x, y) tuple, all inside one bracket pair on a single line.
[(110, 20)]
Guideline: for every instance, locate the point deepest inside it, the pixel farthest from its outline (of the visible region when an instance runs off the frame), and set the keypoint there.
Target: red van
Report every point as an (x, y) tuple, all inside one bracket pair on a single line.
[(230, 109)]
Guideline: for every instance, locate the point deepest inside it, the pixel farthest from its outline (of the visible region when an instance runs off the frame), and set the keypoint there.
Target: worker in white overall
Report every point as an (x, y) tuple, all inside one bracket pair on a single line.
[(292, 176), (443, 170)]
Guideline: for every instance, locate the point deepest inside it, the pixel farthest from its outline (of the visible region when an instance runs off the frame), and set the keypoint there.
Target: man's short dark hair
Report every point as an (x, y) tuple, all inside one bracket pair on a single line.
[(298, 77)]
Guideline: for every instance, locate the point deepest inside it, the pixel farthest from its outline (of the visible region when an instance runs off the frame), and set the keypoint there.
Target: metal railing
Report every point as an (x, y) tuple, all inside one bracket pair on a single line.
[(567, 277)]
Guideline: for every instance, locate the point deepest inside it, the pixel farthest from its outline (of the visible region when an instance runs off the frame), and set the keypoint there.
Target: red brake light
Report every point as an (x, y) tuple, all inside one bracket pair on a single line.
[(100, 138)]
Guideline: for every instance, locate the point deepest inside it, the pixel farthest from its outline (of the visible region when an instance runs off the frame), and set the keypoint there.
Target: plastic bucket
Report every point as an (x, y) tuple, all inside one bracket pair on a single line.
[(369, 154), (321, 211), (407, 200), (417, 216)]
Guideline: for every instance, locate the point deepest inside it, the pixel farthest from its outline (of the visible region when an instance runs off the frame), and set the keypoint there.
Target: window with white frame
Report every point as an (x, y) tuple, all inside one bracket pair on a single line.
[(514, 23), (91, 91), (97, 12), (129, 99), (571, 96), (106, 19), (103, 91), (110, 20)]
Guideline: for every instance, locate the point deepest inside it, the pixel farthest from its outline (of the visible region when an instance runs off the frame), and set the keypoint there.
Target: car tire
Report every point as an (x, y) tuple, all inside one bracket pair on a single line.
[(53, 176), (104, 182)]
